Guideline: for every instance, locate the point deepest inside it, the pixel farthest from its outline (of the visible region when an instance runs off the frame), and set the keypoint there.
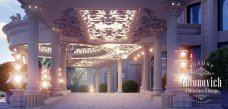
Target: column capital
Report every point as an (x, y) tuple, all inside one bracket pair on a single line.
[(32, 8), (173, 6)]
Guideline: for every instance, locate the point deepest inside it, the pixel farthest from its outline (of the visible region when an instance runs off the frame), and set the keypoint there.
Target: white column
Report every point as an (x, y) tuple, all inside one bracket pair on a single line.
[(146, 67), (157, 86), (63, 64), (55, 64), (109, 78), (171, 48), (97, 80), (119, 76), (34, 98), (211, 28)]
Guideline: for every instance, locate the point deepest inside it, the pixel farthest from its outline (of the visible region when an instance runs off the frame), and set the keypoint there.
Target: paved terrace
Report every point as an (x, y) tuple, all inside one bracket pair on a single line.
[(106, 101)]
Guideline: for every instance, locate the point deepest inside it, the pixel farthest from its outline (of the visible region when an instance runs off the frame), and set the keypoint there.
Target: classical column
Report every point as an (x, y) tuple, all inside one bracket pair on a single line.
[(55, 53), (211, 39), (157, 86), (34, 97), (97, 80), (173, 7), (171, 48), (119, 76), (146, 68), (63, 64), (109, 78)]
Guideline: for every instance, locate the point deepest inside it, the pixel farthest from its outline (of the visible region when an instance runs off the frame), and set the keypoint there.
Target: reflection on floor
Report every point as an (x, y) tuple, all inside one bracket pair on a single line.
[(106, 101)]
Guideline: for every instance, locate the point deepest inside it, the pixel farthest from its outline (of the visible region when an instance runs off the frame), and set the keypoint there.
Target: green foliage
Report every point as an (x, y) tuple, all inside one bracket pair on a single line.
[(83, 88), (5, 70), (219, 59), (103, 87), (130, 86), (77, 78), (44, 62)]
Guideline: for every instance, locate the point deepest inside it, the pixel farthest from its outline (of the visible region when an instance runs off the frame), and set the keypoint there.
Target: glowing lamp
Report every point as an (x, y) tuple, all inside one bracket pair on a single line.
[(91, 89), (17, 67), (135, 59), (151, 50), (183, 64), (138, 55), (142, 53)]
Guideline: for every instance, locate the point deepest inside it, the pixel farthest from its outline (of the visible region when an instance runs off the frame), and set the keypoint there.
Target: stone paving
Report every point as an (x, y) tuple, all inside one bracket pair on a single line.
[(106, 101)]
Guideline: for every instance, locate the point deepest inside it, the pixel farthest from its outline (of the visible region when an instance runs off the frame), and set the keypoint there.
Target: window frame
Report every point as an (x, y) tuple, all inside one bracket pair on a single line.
[(189, 12)]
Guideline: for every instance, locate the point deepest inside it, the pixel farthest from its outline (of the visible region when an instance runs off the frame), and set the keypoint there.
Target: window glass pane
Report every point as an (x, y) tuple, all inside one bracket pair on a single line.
[(194, 14), (223, 14)]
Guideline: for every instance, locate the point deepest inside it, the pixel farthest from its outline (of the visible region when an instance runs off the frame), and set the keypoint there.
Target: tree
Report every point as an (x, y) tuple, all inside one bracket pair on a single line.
[(5, 70), (219, 59)]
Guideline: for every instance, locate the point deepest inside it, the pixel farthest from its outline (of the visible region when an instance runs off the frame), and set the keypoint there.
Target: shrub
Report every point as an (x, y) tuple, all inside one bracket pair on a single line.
[(81, 88), (103, 87), (130, 86), (219, 59)]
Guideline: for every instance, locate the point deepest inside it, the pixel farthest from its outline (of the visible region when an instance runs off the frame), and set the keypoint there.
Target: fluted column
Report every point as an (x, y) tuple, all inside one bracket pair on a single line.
[(55, 62), (157, 88), (63, 64), (97, 80), (146, 68), (119, 76), (109, 78), (34, 97)]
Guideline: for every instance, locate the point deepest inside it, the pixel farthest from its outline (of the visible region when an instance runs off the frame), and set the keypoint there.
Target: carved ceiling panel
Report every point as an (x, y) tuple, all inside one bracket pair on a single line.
[(108, 25)]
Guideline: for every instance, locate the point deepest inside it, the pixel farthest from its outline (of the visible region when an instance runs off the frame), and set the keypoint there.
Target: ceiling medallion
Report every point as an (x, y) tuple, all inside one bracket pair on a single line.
[(108, 25)]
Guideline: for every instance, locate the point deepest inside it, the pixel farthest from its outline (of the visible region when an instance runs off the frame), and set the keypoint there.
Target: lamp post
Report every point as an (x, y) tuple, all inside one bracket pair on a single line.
[(18, 79)]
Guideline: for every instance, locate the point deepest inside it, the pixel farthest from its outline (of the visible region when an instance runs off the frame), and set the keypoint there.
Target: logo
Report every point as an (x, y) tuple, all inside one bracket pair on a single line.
[(200, 83)]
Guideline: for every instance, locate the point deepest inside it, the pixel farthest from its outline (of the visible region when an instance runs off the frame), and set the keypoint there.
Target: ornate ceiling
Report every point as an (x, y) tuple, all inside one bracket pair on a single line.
[(84, 55), (108, 25)]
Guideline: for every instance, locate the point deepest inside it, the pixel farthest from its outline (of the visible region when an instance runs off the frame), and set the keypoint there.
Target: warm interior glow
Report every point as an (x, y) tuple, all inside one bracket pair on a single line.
[(44, 84), (142, 53), (18, 79), (17, 67), (61, 80), (183, 64), (183, 53), (151, 50), (135, 59), (91, 89), (18, 56), (138, 55)]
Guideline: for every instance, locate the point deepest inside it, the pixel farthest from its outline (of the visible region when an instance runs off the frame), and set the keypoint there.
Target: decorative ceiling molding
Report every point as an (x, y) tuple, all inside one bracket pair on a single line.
[(108, 25), (148, 25), (70, 25)]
